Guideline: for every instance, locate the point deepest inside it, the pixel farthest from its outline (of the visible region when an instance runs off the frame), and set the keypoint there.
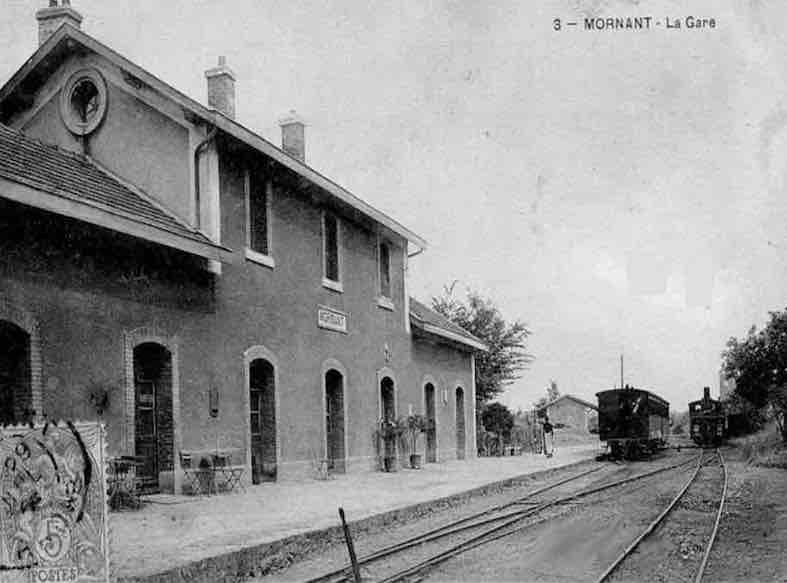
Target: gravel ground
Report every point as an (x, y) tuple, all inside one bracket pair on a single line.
[(752, 540)]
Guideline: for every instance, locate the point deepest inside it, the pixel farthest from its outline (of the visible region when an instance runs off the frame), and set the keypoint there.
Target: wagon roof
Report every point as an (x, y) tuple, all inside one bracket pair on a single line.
[(654, 396)]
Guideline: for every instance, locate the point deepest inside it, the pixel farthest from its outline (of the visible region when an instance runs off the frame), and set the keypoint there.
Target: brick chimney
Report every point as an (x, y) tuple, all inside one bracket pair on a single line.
[(706, 394), (292, 136), (54, 16), (221, 88)]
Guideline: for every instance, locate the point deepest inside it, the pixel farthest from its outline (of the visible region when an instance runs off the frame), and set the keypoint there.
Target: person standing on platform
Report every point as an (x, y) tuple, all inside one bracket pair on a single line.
[(549, 438)]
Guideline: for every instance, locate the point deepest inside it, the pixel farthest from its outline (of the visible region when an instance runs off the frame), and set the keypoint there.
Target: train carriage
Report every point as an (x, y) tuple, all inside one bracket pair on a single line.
[(707, 421), (633, 422)]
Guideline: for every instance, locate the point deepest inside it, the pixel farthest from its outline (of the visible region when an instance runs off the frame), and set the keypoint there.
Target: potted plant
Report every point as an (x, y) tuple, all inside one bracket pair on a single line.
[(416, 424), (98, 394)]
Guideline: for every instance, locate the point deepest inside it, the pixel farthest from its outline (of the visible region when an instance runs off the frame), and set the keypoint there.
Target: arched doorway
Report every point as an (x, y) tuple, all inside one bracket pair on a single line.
[(262, 399), (388, 412), (16, 395), (334, 420), (153, 421), (460, 423), (431, 423)]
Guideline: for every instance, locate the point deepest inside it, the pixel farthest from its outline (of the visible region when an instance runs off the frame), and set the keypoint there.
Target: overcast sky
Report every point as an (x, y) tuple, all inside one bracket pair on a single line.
[(616, 190)]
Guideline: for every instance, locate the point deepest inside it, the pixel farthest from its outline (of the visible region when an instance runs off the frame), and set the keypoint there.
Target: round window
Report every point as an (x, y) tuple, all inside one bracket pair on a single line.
[(83, 101)]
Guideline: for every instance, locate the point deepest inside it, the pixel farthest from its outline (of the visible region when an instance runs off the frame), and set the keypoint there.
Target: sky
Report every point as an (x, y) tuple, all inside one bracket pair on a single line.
[(620, 191)]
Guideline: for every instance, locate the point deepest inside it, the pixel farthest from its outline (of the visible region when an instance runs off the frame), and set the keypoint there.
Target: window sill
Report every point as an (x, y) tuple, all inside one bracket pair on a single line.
[(257, 257), (385, 303), (332, 285)]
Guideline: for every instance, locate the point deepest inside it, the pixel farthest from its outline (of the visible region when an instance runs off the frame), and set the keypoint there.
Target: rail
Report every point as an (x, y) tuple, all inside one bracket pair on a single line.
[(446, 529), (508, 527), (712, 539), (660, 518)]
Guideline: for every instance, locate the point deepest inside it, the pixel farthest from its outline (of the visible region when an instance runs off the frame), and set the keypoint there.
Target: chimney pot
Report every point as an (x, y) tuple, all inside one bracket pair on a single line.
[(293, 138), (221, 88), (54, 16)]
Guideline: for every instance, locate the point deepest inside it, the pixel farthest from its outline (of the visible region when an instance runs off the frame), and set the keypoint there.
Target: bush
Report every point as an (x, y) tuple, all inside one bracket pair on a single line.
[(764, 448)]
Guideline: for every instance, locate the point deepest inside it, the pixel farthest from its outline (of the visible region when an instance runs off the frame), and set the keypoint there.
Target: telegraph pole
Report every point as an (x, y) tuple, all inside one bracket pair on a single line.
[(621, 371)]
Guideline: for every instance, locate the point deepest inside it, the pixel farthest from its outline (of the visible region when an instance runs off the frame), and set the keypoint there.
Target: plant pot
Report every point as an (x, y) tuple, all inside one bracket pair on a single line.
[(389, 463), (415, 461)]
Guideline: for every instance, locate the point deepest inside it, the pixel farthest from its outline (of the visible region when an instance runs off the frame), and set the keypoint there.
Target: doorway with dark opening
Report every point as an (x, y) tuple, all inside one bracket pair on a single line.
[(334, 420), (153, 421), (262, 396), (460, 423), (16, 395), (388, 411), (431, 423)]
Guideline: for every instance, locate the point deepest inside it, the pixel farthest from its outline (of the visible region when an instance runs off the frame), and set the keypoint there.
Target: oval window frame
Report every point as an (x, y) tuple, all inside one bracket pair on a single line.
[(75, 125)]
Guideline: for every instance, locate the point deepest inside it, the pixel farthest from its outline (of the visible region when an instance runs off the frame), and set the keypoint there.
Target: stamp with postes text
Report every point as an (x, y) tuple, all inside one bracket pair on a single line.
[(53, 513)]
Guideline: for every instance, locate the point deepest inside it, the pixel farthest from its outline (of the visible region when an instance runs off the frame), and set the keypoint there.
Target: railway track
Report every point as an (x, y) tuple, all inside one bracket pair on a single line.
[(659, 520), (478, 528)]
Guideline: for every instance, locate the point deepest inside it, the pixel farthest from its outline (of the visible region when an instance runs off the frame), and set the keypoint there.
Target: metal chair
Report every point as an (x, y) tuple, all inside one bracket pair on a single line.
[(231, 476), (192, 474)]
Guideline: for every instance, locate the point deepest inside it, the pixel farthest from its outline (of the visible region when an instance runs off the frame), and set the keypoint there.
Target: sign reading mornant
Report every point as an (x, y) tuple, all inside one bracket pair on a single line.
[(331, 319)]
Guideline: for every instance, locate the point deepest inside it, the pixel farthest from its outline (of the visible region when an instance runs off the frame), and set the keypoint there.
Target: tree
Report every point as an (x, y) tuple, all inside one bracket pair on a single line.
[(758, 365), (679, 422), (507, 355), (552, 390), (498, 419), (552, 393)]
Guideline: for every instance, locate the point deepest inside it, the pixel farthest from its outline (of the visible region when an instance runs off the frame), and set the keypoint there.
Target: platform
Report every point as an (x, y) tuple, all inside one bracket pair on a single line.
[(174, 538)]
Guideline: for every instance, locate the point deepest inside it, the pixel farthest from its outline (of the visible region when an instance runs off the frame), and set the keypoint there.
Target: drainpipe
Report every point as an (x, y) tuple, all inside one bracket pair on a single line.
[(406, 310), (197, 152)]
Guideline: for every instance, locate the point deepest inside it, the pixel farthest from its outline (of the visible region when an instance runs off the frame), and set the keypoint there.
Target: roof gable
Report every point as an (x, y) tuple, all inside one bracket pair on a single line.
[(571, 398), (18, 90)]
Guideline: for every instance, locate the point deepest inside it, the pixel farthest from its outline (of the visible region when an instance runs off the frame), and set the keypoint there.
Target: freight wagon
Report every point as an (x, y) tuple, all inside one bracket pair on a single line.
[(633, 422)]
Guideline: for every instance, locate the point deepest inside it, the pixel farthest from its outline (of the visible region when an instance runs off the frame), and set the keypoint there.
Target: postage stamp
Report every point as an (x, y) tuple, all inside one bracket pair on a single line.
[(53, 513)]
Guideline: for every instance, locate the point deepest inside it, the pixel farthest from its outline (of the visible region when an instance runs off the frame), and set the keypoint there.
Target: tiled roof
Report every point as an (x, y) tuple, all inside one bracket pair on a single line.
[(76, 177), (67, 38), (421, 314)]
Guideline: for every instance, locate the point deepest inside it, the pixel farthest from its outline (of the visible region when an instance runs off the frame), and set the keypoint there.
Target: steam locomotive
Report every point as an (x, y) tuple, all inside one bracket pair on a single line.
[(708, 421)]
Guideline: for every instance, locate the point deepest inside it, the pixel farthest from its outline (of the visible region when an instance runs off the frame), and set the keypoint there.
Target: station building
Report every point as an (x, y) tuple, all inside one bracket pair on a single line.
[(167, 270), (571, 413)]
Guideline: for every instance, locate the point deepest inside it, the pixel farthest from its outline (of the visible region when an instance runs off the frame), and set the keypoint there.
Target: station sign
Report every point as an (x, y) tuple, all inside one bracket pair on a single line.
[(331, 319)]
